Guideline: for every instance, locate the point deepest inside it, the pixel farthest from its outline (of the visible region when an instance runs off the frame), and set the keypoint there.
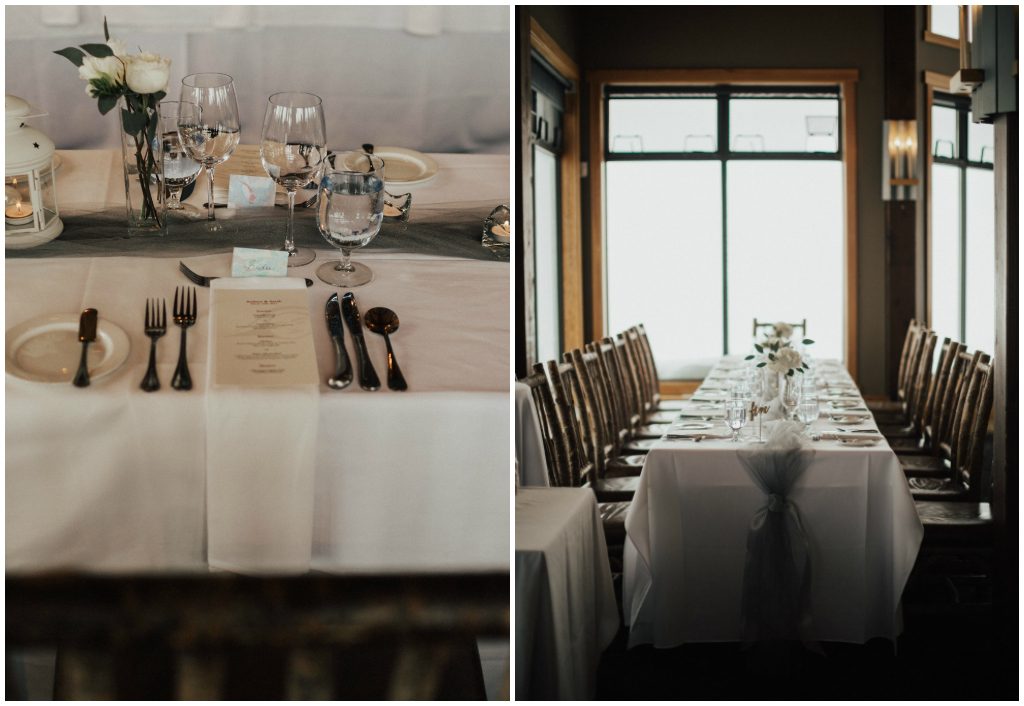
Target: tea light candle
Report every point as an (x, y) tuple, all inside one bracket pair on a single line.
[(19, 214), (392, 211), (502, 232)]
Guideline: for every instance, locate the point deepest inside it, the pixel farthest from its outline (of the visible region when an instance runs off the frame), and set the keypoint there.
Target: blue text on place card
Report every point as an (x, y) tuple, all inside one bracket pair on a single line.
[(250, 262)]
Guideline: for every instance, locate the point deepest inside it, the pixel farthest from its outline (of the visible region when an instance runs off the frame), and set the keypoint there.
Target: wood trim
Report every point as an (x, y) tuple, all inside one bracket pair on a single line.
[(641, 77), (547, 47), (677, 388), (849, 107), (928, 101), (569, 182), (941, 40), (595, 90), (847, 80), (937, 80)]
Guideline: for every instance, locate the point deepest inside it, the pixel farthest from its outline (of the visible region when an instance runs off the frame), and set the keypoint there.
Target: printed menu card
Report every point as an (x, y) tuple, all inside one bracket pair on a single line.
[(262, 336)]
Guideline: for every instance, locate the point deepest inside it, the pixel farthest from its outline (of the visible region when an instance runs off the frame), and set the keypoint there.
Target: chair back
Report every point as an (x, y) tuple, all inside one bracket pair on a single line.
[(620, 397), (758, 325), (949, 422), (920, 379), (909, 342), (557, 467), (652, 369), (571, 427), (631, 381), (937, 389), (592, 410), (973, 426), (220, 636)]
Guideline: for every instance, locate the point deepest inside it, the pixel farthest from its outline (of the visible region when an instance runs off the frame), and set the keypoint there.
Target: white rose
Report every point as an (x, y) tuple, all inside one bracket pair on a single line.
[(783, 330), (785, 360), (147, 73), (118, 47), (109, 69)]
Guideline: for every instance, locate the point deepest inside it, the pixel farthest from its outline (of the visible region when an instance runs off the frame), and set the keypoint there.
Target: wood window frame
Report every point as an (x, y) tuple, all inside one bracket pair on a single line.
[(933, 38), (846, 79), (571, 232)]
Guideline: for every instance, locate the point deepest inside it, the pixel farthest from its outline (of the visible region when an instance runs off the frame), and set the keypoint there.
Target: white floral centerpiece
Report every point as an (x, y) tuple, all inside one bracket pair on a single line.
[(782, 330), (136, 82)]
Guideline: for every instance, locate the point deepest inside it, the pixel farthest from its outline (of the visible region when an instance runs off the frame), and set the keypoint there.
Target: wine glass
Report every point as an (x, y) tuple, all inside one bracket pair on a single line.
[(179, 169), (211, 133), (736, 415), (807, 411), (350, 213), (790, 395), (293, 151)]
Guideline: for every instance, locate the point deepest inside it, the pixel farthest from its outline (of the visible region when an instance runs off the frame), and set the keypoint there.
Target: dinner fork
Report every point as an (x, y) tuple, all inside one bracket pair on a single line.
[(184, 316), (156, 326), (205, 281)]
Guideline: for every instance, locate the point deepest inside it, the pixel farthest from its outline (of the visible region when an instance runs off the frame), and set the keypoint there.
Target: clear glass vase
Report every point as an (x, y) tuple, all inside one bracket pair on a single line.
[(142, 160)]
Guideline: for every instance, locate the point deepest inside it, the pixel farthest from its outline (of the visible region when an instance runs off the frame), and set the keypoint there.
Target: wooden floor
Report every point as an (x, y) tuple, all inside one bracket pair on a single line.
[(942, 654)]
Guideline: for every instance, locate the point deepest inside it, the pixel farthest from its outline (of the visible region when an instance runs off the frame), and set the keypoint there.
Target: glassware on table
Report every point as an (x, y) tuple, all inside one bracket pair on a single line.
[(789, 393), (349, 214), (807, 410), (179, 169), (212, 131), (736, 415), (293, 149)]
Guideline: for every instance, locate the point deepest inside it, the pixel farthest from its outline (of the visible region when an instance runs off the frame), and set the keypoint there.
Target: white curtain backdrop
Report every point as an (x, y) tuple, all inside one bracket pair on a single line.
[(430, 78)]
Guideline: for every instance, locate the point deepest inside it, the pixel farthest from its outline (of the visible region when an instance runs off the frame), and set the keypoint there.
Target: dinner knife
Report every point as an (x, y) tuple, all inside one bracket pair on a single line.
[(368, 379), (86, 335), (342, 376)]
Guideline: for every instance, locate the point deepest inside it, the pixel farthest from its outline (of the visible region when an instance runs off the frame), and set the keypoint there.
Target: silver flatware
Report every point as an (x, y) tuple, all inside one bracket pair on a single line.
[(342, 376), (184, 317), (204, 281), (86, 335), (384, 321), (155, 327), (368, 379)]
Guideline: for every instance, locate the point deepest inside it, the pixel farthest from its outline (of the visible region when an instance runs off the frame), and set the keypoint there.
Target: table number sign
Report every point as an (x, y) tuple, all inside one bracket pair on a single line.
[(262, 337)]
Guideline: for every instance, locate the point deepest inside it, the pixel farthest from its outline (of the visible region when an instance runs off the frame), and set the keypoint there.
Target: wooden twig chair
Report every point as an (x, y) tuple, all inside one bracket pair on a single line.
[(762, 325)]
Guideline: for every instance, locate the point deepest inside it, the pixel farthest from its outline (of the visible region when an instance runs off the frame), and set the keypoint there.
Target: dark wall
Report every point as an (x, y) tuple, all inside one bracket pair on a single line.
[(562, 24), (764, 37)]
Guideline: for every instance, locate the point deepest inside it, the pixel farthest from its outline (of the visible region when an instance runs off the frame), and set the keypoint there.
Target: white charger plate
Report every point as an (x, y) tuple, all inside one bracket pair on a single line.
[(404, 166), (46, 349)]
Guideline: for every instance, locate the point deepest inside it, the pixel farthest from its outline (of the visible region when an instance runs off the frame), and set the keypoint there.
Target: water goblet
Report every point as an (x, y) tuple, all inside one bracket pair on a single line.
[(789, 394), (211, 133), (736, 416), (293, 149), (349, 215), (179, 169), (808, 410)]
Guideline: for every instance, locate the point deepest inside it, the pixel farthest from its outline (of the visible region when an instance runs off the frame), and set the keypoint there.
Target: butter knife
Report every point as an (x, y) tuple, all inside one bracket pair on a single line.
[(368, 379), (86, 335), (342, 376)]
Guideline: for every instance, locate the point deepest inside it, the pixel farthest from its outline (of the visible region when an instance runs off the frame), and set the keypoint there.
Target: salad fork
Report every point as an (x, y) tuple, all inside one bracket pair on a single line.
[(184, 316), (156, 326)]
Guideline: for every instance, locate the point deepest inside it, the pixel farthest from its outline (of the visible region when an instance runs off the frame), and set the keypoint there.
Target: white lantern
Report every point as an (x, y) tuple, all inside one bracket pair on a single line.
[(30, 206)]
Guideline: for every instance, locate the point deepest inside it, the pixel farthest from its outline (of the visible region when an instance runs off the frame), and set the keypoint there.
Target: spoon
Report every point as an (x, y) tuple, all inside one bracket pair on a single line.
[(382, 320)]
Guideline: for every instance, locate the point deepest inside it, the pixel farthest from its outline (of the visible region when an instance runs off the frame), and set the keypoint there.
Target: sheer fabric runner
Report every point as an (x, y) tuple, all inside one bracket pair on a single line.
[(447, 230)]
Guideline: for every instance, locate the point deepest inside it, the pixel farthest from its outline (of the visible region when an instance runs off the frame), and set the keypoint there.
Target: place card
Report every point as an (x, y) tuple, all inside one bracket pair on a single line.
[(253, 262), (262, 336), (246, 191)]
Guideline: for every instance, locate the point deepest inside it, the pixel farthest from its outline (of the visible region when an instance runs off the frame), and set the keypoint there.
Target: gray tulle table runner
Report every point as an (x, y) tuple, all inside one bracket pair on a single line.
[(777, 571), (446, 230)]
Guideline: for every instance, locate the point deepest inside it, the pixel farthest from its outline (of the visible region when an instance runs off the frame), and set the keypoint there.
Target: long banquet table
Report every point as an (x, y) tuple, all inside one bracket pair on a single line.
[(112, 478), (687, 537)]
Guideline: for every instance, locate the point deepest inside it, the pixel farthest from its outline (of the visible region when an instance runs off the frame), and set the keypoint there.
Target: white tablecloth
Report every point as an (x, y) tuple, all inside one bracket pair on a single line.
[(110, 477), (565, 605), (687, 531), (533, 470)]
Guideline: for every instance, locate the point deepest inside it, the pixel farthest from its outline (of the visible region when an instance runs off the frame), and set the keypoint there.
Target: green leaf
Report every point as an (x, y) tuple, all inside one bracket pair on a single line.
[(133, 123), (157, 97), (100, 51), (106, 32), (107, 104), (749, 357), (807, 341), (771, 356), (760, 365), (800, 370), (758, 348), (72, 54), (790, 373)]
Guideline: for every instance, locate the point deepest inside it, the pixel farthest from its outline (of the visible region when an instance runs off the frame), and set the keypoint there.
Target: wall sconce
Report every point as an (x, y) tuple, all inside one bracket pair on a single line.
[(899, 160), (968, 77)]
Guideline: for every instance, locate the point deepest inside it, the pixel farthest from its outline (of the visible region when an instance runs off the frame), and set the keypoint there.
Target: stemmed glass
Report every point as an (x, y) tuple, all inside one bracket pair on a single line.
[(293, 151), (179, 170), (350, 213), (790, 395), (736, 415), (211, 133)]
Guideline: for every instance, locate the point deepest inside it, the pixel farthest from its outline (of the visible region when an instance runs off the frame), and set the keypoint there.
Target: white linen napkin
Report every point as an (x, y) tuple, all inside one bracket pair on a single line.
[(260, 463)]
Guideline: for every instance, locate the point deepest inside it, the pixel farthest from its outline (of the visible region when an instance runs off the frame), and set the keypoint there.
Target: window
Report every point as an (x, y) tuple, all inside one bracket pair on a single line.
[(723, 205), (944, 20), (962, 253)]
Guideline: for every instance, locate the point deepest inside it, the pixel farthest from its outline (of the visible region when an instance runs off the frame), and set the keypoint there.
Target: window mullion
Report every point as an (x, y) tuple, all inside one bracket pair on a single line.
[(723, 151)]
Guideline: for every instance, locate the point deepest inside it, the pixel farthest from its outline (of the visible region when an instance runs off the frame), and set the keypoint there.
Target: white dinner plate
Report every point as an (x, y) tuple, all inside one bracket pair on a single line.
[(849, 418), (689, 426), (404, 166), (46, 349)]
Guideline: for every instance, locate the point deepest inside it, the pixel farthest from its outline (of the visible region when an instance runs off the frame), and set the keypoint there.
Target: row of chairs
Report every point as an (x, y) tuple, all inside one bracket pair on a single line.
[(938, 425), (600, 412)]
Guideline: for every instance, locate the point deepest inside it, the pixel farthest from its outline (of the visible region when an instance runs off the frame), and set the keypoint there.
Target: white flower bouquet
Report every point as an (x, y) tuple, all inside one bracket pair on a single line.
[(139, 83)]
